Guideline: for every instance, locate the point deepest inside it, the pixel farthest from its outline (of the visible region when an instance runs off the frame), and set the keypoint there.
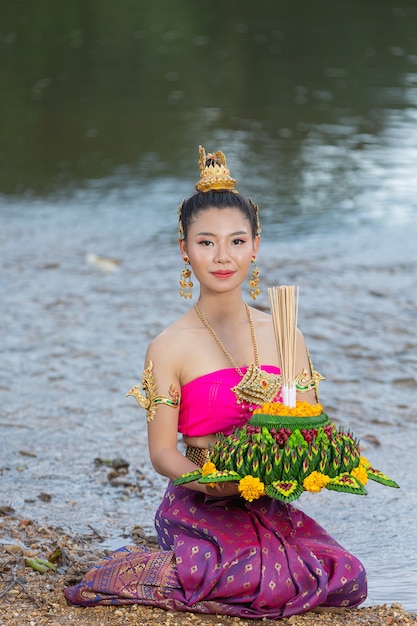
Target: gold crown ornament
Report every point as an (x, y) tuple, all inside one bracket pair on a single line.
[(215, 176), (214, 173)]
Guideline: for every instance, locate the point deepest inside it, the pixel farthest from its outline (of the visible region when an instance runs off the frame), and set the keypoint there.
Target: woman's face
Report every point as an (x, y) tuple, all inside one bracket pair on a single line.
[(220, 247)]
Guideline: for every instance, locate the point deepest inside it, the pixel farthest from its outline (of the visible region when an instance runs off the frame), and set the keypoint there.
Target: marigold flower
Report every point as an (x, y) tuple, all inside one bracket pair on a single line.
[(208, 468), (363, 461), (315, 482), (251, 488), (360, 473), (302, 409)]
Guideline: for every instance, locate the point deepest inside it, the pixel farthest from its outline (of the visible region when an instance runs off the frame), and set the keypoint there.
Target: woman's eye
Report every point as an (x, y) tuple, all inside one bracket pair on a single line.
[(237, 242), (205, 242)]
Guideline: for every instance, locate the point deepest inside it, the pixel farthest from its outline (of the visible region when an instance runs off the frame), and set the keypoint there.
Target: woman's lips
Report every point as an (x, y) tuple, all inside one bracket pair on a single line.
[(223, 274)]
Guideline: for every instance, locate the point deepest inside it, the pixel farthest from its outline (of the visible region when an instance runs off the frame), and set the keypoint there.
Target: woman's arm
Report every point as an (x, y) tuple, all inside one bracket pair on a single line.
[(165, 457), (163, 411)]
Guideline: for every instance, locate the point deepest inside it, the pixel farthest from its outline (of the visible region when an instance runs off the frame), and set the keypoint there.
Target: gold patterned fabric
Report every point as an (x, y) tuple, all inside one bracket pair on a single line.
[(199, 456), (133, 575), (258, 560)]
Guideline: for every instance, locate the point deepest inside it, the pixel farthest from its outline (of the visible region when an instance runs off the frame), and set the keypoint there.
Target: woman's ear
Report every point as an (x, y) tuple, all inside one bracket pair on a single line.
[(183, 247), (256, 243)]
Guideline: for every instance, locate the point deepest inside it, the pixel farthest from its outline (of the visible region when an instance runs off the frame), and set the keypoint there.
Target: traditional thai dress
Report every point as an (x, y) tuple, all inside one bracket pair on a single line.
[(226, 555)]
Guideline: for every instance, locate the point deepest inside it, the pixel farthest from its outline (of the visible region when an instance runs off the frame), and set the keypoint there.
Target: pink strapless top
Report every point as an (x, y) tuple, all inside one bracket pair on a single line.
[(208, 405)]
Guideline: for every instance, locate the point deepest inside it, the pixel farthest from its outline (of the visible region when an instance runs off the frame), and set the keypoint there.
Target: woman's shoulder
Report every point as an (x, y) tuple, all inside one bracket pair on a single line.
[(169, 340), (261, 319), (258, 314)]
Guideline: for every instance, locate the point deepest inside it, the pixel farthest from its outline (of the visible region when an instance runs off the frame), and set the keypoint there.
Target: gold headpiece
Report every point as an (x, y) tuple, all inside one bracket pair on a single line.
[(214, 173)]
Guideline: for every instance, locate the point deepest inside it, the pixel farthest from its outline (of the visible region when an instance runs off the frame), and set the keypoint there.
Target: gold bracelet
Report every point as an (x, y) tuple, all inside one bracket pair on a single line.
[(151, 399)]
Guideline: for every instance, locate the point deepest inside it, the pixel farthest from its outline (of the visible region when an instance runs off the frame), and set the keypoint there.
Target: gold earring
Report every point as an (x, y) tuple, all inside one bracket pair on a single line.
[(185, 282), (254, 280)]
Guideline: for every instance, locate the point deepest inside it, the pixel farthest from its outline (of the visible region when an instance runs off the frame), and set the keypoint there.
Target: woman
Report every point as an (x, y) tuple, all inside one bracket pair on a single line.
[(219, 553)]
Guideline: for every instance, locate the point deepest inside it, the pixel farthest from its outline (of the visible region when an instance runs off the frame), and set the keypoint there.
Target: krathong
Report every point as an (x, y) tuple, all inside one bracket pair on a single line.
[(281, 455), (288, 447)]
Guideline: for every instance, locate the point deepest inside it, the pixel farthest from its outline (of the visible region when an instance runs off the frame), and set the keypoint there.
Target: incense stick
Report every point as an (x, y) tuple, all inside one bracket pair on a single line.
[(284, 309)]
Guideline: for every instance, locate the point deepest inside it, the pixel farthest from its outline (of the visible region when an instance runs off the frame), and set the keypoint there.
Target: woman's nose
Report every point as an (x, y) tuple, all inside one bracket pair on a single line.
[(221, 255)]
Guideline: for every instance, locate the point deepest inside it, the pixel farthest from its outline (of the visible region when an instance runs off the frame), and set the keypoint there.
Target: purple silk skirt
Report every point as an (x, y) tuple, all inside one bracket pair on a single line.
[(228, 556)]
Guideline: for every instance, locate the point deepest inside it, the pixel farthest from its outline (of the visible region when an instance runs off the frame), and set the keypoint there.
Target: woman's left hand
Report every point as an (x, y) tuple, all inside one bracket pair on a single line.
[(225, 489)]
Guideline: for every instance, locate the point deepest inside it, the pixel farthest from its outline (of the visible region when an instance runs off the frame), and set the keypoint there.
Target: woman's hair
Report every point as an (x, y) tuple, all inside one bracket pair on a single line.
[(201, 201)]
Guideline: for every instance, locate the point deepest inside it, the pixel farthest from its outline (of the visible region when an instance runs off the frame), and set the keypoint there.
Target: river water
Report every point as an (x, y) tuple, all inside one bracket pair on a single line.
[(333, 170)]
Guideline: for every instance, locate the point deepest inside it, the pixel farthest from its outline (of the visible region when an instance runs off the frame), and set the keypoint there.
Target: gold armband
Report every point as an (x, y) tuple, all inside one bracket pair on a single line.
[(151, 399), (305, 382)]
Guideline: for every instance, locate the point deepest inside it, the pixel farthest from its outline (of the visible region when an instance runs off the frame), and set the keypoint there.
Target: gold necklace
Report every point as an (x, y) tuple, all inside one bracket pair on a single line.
[(257, 386), (220, 343)]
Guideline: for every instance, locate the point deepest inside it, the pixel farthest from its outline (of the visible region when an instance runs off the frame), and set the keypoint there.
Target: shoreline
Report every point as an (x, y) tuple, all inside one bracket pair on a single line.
[(27, 596)]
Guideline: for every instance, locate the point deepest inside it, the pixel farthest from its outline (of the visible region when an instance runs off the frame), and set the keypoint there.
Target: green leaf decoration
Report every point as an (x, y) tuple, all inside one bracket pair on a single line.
[(379, 477), (188, 478), (285, 491), (270, 421), (220, 477), (282, 451), (297, 456), (346, 483)]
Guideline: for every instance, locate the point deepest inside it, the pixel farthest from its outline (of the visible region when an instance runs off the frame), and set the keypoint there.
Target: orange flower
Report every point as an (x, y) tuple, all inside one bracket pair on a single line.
[(315, 482), (251, 488), (208, 468), (302, 409), (360, 473)]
